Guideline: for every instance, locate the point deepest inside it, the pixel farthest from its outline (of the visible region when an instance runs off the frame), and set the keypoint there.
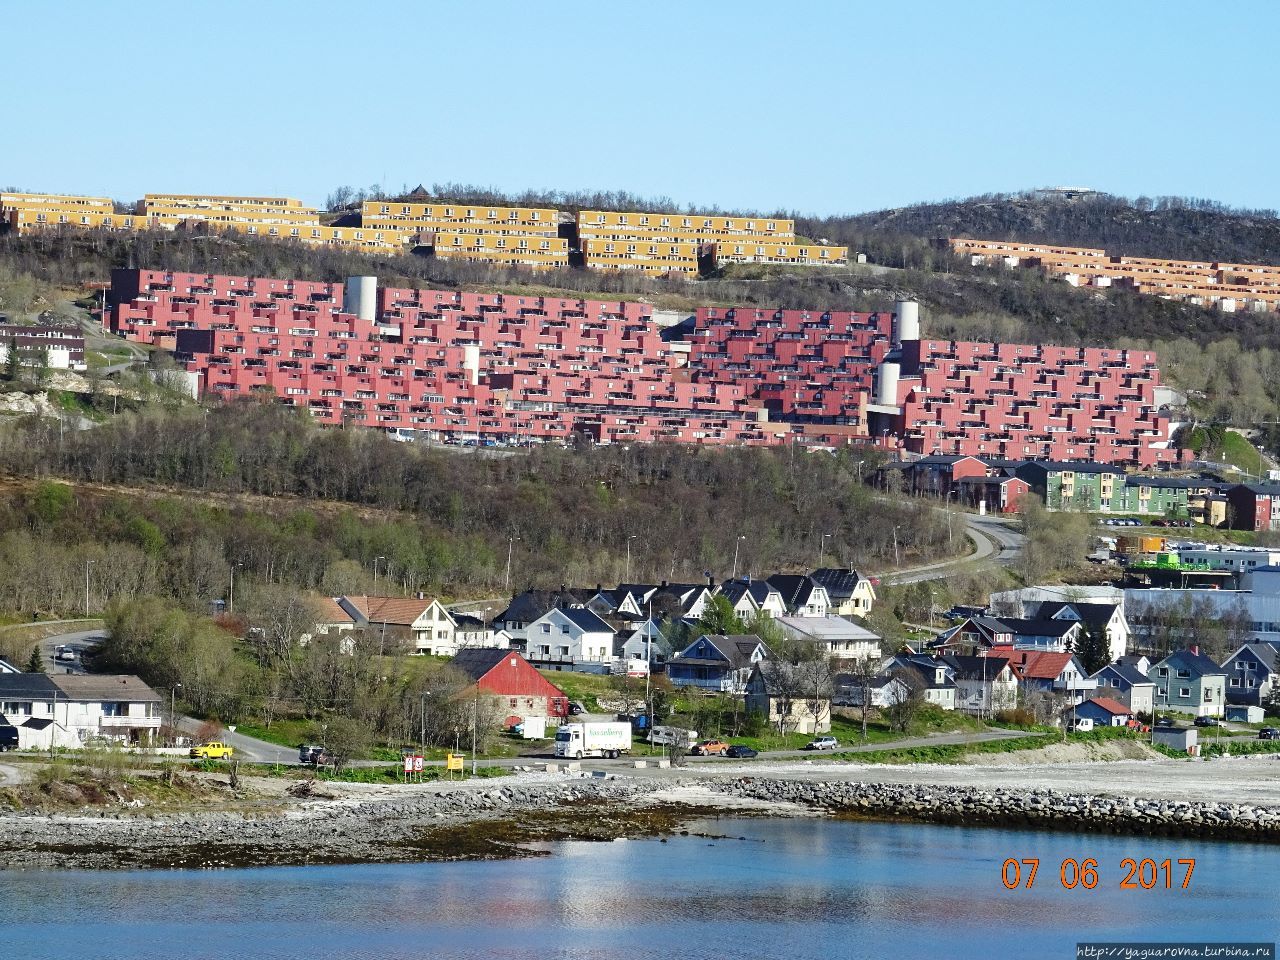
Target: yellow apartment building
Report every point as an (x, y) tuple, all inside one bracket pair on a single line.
[(654, 257), (613, 225), (169, 211), (506, 250), (463, 217), (29, 211), (808, 254)]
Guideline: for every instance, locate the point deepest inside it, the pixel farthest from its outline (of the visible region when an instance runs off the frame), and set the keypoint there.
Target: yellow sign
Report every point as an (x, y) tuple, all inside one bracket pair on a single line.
[(453, 761)]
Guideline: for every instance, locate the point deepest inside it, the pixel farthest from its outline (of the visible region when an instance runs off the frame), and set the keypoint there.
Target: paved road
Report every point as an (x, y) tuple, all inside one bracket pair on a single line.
[(995, 540), (79, 642), (247, 748)]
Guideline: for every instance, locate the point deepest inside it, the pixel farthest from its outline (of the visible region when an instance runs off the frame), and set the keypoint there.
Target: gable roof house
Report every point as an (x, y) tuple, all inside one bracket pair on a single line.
[(717, 662), (1106, 620), (65, 710), (793, 697), (802, 595), (646, 642), (851, 593), (1252, 673), (7, 667), (1058, 673), (834, 636), (1124, 682), (984, 685), (750, 598), (570, 639), (428, 626), (510, 678), (935, 675), (530, 605), (1004, 634), (885, 690), (1189, 682), (1103, 711)]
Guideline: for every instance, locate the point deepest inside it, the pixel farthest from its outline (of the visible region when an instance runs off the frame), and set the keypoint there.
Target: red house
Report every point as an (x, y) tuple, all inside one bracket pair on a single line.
[(507, 675)]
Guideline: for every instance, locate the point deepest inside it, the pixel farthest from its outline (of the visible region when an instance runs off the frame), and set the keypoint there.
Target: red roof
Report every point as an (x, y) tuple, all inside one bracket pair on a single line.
[(1035, 665), (1114, 707)]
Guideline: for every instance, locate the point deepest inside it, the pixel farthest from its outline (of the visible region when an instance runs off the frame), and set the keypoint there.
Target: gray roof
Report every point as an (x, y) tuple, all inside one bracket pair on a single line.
[(27, 686), (797, 679), (103, 688), (587, 620), (1197, 663), (1126, 672), (976, 668), (1094, 614)]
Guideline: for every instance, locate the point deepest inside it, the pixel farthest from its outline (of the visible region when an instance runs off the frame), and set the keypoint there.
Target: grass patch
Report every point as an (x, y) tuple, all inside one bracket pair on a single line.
[(584, 687), (1238, 748)]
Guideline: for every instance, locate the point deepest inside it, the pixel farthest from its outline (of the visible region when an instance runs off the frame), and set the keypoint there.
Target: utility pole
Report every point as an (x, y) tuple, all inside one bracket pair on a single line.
[(822, 544), (511, 544), (231, 597), (475, 721), (897, 562), (375, 574), (87, 565), (736, 544), (627, 578), (422, 714), (173, 714)]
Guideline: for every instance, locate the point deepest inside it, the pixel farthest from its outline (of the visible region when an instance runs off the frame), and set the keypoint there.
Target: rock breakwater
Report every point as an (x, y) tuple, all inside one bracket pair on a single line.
[(1044, 809)]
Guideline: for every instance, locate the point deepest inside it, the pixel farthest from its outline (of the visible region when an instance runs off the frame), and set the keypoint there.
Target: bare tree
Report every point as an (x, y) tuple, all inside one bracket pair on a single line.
[(901, 713)]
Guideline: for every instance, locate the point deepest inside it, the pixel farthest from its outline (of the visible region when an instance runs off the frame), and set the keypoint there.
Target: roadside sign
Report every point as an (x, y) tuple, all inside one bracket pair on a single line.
[(408, 764), (418, 764), (454, 762)]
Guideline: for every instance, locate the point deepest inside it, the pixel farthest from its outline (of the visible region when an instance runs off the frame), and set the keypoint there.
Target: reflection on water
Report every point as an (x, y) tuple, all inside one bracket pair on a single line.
[(789, 889)]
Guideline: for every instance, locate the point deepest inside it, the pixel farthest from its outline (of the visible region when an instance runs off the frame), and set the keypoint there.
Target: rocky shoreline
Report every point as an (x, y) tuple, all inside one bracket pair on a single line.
[(493, 820), (1039, 809)]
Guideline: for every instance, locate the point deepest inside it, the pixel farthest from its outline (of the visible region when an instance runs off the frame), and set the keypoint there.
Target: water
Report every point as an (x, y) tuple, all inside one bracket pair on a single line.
[(792, 890)]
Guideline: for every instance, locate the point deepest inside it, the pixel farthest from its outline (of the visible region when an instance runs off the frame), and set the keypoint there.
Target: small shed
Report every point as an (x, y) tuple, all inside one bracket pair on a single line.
[(1244, 713), (1103, 711), (1183, 739)]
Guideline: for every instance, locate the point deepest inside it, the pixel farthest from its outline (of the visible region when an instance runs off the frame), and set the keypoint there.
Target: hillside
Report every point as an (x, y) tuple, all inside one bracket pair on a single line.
[(1170, 227)]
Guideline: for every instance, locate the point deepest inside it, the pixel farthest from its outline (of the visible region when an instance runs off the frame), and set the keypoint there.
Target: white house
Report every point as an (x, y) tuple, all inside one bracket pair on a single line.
[(802, 595), (750, 598), (647, 642), (835, 636), (67, 710), (935, 675), (569, 636), (984, 685), (429, 626), (851, 594)]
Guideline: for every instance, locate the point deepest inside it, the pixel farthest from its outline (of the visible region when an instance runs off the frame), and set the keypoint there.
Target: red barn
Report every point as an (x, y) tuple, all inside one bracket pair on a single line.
[(508, 676)]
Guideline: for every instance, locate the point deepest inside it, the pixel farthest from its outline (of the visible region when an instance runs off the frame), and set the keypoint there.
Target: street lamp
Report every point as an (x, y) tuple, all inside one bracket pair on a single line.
[(897, 561), (422, 714), (511, 545), (627, 578), (375, 574), (87, 565), (173, 716), (736, 544)]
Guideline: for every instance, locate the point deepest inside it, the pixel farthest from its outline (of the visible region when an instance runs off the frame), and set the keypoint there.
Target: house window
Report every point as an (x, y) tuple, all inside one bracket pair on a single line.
[(546, 628), (1184, 674), (1235, 681), (512, 702), (1184, 693), (1208, 695), (564, 629)]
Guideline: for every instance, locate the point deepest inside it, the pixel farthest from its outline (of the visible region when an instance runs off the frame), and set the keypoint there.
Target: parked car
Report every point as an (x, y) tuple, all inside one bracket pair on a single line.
[(1208, 722), (709, 748), (1164, 722), (576, 709), (1269, 733), (1080, 725), (822, 743), (64, 654), (308, 752), (8, 738), (740, 751), (213, 750)]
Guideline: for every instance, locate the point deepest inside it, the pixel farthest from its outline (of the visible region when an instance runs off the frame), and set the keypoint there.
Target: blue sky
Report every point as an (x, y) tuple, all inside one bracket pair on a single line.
[(817, 107)]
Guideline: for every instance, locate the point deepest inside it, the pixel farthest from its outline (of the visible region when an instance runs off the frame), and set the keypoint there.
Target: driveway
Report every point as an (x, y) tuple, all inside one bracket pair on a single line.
[(994, 539)]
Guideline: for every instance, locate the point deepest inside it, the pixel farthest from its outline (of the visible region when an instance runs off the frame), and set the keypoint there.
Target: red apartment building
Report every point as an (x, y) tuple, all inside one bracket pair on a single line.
[(502, 365)]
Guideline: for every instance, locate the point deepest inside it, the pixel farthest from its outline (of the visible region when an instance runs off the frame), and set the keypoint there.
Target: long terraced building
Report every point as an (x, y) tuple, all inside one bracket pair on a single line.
[(464, 364)]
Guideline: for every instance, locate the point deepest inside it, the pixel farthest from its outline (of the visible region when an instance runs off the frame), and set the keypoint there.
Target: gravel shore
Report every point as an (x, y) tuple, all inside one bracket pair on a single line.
[(513, 816)]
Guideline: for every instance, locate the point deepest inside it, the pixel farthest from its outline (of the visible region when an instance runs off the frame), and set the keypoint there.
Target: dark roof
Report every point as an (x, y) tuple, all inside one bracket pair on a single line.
[(759, 590), (736, 649), (840, 583), (529, 606), (1259, 489), (1070, 466), (26, 686), (475, 662), (795, 588), (1037, 627), (466, 621), (1126, 672), (1094, 614), (976, 668), (1264, 653), (1197, 663), (587, 620), (1175, 483), (804, 679), (927, 668)]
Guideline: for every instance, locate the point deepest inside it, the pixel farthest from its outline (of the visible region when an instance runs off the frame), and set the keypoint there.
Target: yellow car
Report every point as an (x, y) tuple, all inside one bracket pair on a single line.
[(212, 751)]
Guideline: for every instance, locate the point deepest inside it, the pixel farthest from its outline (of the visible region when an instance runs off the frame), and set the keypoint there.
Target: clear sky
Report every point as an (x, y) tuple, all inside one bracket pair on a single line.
[(821, 107)]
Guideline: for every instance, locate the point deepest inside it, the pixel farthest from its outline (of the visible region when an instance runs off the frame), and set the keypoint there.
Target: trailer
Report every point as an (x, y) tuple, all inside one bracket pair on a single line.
[(578, 740)]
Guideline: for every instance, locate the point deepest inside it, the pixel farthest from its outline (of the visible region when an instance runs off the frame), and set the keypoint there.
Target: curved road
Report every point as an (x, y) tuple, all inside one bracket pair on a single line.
[(992, 537)]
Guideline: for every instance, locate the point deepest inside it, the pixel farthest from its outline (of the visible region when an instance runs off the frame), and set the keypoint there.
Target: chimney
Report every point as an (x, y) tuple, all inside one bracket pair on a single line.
[(664, 584), (421, 595), (1195, 648), (711, 581)]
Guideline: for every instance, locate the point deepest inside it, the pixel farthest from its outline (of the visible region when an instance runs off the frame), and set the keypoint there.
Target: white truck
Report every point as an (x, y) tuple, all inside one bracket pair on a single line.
[(673, 737), (578, 740)]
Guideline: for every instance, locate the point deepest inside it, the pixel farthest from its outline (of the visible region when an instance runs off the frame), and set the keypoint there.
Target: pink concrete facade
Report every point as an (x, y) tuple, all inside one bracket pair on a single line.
[(527, 367)]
